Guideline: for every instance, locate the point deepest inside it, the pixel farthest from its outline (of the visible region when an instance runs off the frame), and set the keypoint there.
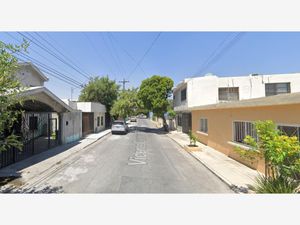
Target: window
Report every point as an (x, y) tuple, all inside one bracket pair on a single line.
[(229, 94), (179, 120), (241, 129), (183, 95), (101, 120), (203, 125), (277, 88), (98, 121), (290, 131)]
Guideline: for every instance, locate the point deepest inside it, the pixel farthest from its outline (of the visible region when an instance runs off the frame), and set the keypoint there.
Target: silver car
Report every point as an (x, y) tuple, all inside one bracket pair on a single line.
[(119, 126)]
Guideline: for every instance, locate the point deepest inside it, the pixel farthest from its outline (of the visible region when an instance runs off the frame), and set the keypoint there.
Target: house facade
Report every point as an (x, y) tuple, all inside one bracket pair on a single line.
[(223, 126), (211, 89), (93, 115), (46, 120)]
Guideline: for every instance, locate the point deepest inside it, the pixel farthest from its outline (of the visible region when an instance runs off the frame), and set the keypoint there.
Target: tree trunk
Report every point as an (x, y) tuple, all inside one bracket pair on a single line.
[(165, 125)]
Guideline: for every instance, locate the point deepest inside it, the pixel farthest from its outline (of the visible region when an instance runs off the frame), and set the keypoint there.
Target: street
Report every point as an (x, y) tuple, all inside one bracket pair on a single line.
[(143, 161)]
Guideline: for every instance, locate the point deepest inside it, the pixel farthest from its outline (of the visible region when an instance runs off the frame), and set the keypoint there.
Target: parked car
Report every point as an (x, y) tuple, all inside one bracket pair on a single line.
[(133, 119), (119, 126)]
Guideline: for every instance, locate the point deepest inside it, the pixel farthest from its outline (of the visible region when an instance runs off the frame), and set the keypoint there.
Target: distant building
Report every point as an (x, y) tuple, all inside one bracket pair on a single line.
[(93, 115)]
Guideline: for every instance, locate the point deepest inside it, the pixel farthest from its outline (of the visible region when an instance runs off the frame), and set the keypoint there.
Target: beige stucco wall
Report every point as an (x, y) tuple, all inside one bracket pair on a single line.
[(220, 125)]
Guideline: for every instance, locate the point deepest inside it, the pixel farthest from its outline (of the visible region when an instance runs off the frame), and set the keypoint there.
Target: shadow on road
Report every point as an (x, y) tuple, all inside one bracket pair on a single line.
[(149, 130), (44, 190)]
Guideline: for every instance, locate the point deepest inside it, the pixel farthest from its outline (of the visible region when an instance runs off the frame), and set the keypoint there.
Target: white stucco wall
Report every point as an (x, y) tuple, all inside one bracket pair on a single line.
[(71, 126), (204, 90), (28, 77)]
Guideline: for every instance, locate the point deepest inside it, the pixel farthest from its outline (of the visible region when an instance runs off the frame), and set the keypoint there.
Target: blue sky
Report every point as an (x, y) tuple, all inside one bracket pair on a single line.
[(174, 54)]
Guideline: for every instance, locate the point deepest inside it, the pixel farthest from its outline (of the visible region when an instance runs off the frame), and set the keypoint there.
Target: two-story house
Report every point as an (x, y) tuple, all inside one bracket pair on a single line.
[(211, 89), (220, 111)]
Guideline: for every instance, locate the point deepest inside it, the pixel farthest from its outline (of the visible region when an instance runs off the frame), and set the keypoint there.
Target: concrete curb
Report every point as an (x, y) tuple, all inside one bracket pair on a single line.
[(232, 186)]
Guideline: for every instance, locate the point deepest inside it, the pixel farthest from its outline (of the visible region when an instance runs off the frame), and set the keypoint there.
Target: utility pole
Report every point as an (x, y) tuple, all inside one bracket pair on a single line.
[(123, 82)]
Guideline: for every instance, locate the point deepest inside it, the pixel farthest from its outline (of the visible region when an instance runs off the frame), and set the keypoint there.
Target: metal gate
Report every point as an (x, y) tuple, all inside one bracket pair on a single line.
[(39, 132)]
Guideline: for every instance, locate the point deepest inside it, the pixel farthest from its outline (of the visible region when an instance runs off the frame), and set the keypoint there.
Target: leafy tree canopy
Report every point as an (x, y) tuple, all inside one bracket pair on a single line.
[(9, 95), (128, 104), (100, 89), (154, 93)]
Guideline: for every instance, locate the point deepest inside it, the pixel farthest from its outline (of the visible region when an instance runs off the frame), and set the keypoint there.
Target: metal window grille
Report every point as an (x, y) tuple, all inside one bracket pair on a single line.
[(277, 88), (229, 94), (290, 131), (241, 129)]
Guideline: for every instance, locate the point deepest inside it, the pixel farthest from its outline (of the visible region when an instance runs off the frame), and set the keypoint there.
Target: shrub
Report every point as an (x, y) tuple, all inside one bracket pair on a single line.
[(193, 138), (273, 185)]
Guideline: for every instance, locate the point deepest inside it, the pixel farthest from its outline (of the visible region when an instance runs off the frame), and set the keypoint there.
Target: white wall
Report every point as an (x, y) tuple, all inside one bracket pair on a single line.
[(204, 90), (71, 126), (28, 77)]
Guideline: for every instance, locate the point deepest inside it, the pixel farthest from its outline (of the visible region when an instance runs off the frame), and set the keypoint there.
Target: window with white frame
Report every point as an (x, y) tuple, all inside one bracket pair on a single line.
[(277, 88), (290, 130), (241, 129), (203, 125), (228, 94)]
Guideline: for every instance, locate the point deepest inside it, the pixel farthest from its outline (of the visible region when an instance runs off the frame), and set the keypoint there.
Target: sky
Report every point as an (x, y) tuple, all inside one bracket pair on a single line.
[(135, 56)]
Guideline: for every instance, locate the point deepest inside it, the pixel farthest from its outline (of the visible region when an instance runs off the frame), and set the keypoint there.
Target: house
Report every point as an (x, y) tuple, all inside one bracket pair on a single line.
[(211, 89), (93, 115), (220, 111), (46, 121), (223, 126)]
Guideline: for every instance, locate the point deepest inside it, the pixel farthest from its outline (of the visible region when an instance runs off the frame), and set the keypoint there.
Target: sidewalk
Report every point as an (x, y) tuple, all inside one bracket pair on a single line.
[(41, 165), (233, 173)]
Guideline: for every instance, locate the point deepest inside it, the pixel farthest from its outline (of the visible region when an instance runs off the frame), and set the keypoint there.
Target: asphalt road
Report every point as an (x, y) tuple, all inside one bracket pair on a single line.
[(143, 161)]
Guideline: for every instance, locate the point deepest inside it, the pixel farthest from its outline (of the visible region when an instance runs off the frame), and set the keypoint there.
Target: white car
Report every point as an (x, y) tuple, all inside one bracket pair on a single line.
[(119, 126)]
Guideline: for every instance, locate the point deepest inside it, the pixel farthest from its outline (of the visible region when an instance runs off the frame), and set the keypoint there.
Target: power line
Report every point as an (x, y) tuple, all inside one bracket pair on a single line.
[(44, 65), (217, 54), (62, 54), (111, 54), (45, 71), (116, 53), (146, 52), (48, 60), (127, 53), (97, 53), (40, 45)]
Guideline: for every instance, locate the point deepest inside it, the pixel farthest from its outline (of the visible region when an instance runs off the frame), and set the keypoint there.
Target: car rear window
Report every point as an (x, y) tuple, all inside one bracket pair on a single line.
[(118, 123)]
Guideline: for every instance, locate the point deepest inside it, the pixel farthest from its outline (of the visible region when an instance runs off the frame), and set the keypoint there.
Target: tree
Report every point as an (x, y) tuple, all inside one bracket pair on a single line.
[(101, 90), (154, 93), (127, 104), (10, 88)]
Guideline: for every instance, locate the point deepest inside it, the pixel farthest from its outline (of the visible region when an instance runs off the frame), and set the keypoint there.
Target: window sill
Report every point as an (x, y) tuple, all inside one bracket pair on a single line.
[(200, 132), (235, 144)]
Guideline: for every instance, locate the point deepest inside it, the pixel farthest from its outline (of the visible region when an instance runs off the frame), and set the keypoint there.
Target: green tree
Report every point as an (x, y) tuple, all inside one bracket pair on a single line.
[(154, 93), (127, 104), (100, 89), (10, 88)]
